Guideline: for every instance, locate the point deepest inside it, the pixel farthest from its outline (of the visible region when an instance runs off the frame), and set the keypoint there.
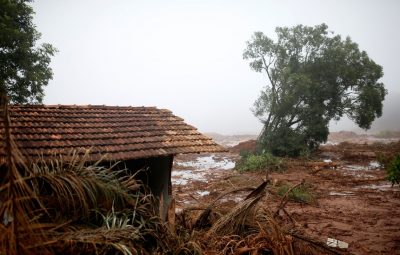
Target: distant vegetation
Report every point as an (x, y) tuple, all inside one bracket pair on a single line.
[(314, 76), (388, 134)]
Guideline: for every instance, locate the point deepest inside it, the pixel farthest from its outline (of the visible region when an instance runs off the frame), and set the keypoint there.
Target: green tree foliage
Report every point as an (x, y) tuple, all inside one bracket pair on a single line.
[(24, 69), (314, 76)]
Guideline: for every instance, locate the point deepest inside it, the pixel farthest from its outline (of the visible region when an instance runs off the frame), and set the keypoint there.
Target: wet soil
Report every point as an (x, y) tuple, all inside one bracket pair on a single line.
[(352, 200)]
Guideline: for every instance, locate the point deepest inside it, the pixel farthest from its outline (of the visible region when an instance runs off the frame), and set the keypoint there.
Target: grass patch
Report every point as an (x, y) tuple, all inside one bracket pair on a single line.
[(258, 162), (301, 194), (393, 170)]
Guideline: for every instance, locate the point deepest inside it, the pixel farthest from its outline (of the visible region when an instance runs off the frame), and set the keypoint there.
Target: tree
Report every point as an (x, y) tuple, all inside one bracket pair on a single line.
[(24, 69), (313, 77)]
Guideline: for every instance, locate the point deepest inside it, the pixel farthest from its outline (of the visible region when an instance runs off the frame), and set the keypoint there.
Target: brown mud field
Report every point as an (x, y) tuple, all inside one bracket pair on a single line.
[(351, 199)]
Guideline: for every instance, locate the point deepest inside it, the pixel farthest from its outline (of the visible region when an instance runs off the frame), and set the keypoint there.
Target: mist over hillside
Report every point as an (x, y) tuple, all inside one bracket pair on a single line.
[(230, 140), (333, 138)]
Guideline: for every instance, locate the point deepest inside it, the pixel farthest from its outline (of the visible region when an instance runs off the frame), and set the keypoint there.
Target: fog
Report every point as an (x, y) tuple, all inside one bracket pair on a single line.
[(186, 56)]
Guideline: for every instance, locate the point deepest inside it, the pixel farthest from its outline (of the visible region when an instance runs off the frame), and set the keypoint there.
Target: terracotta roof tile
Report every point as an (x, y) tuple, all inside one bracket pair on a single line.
[(120, 132)]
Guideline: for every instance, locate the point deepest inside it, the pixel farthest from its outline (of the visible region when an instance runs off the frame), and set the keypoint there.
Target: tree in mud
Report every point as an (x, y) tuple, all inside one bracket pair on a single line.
[(314, 76), (24, 68)]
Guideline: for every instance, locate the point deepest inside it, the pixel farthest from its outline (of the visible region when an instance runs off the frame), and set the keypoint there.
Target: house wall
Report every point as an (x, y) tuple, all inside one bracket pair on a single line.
[(159, 180), (155, 172)]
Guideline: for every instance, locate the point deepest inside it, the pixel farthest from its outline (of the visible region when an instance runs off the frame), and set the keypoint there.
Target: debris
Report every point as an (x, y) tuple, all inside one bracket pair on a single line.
[(337, 243), (171, 215), (318, 165), (374, 165), (344, 193), (203, 193)]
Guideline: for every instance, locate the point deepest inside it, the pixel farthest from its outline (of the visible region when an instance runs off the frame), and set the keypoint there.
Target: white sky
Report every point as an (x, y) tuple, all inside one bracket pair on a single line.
[(186, 56)]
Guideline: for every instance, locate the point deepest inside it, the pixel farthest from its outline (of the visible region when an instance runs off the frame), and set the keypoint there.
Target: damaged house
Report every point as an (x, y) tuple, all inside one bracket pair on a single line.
[(138, 137)]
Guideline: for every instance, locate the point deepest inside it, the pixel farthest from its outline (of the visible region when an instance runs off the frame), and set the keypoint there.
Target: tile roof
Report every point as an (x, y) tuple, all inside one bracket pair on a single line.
[(120, 132)]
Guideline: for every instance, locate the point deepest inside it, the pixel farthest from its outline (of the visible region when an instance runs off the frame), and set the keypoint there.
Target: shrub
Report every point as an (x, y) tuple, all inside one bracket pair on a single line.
[(384, 159), (283, 142), (393, 170), (258, 162), (300, 194)]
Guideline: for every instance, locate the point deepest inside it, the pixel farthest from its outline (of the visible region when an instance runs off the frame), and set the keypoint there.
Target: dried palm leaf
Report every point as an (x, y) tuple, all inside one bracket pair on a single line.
[(73, 188), (235, 221), (18, 202)]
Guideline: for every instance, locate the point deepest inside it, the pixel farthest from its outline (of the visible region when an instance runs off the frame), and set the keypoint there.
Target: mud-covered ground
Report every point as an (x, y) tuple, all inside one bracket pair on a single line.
[(352, 200)]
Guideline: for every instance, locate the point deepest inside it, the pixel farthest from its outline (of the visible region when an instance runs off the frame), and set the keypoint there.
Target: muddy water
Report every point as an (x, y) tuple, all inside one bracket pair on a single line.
[(201, 168)]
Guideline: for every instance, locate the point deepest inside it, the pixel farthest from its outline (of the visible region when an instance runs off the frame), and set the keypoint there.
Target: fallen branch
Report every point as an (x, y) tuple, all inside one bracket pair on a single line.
[(316, 243), (201, 221), (235, 221)]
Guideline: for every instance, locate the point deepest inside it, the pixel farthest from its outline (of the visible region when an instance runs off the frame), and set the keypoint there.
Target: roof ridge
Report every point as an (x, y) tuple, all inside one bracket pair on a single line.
[(57, 106)]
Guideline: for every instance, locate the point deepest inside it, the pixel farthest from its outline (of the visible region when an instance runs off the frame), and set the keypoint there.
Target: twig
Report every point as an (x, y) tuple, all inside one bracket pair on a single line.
[(230, 192), (258, 190), (285, 199)]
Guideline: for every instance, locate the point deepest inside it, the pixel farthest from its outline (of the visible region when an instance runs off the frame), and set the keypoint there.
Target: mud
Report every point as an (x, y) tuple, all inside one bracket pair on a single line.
[(353, 201)]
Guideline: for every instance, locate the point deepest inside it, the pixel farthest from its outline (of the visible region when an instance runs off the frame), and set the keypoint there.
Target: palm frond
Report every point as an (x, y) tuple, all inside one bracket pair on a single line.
[(75, 188), (96, 241)]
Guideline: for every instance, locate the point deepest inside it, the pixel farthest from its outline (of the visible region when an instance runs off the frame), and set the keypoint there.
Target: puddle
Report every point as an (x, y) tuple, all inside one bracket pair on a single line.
[(380, 187), (361, 175), (327, 160), (183, 176), (343, 193), (362, 171), (355, 168), (209, 162), (200, 169)]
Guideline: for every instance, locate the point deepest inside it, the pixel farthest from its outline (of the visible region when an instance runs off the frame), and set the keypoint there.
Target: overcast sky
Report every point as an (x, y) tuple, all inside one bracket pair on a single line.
[(186, 56)]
